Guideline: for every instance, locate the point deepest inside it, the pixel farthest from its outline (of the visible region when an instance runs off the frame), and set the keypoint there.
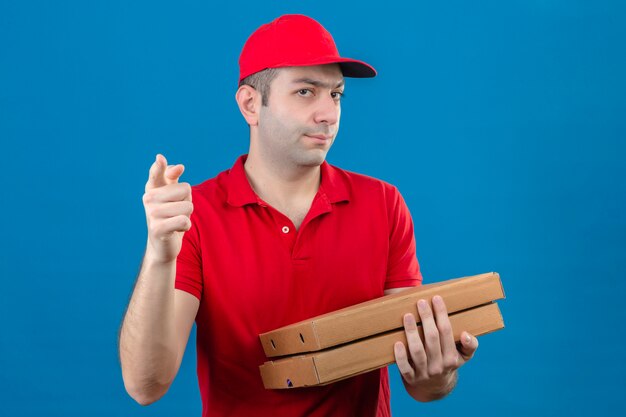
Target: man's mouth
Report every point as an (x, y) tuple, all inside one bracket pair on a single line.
[(320, 137)]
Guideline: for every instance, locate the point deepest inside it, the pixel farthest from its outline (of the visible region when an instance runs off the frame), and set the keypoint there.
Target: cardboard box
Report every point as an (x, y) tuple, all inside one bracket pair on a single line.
[(335, 364), (379, 315)]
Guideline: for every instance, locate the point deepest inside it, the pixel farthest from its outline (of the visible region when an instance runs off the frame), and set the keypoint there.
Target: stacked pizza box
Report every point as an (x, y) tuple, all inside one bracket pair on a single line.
[(360, 338)]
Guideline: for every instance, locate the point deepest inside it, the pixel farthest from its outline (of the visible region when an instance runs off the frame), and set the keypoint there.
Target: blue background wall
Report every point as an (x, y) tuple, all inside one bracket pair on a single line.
[(502, 123)]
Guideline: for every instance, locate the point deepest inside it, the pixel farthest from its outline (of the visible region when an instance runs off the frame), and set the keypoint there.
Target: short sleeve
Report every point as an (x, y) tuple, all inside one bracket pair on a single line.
[(402, 267), (189, 262)]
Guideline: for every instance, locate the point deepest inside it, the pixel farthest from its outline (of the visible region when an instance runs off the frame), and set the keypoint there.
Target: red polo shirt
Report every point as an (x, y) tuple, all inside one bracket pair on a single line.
[(253, 272)]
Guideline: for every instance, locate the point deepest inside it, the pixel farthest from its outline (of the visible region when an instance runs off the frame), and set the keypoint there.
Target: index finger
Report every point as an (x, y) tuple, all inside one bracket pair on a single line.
[(156, 176)]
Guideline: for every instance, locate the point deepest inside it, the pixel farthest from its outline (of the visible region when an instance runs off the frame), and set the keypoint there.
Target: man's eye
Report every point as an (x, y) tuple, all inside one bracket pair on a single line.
[(336, 95), (304, 92)]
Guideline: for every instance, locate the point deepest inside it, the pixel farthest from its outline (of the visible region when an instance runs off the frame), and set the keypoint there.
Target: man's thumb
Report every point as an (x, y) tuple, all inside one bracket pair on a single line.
[(173, 173)]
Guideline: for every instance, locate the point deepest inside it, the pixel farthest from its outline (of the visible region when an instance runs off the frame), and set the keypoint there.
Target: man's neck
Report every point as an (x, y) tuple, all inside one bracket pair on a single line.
[(286, 188)]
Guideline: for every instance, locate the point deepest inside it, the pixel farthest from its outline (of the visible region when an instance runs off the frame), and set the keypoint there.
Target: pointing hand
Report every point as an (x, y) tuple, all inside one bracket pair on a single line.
[(168, 209)]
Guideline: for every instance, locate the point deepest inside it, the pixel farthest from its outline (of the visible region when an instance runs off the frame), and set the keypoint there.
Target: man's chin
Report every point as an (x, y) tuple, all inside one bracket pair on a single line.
[(312, 158)]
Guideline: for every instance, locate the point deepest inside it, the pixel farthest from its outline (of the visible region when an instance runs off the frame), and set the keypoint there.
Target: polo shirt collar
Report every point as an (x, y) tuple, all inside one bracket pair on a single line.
[(334, 185)]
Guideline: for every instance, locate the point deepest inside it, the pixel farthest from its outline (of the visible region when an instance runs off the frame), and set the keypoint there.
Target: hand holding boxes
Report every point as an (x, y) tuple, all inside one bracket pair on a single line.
[(360, 338)]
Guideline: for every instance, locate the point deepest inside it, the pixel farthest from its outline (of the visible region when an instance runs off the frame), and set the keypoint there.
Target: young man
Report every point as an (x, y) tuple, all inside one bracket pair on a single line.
[(280, 237)]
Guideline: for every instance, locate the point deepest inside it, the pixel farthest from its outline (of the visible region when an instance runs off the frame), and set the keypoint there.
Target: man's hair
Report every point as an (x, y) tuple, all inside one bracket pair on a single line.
[(261, 81)]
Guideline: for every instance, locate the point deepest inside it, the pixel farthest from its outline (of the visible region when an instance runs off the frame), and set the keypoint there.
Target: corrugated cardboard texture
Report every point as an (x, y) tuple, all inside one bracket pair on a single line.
[(344, 361), (377, 316)]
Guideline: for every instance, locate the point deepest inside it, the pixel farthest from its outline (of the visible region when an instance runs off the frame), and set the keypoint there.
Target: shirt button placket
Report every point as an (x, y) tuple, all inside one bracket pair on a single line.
[(289, 236)]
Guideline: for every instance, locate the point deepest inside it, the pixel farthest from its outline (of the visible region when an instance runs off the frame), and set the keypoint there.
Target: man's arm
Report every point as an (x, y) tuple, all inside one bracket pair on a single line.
[(159, 318), (429, 368)]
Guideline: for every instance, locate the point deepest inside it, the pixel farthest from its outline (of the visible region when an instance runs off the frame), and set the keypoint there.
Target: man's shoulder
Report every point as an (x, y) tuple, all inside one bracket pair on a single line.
[(211, 189), (364, 182)]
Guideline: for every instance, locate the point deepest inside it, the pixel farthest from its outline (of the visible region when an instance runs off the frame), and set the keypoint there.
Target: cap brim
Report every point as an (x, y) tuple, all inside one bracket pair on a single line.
[(356, 69), (349, 67)]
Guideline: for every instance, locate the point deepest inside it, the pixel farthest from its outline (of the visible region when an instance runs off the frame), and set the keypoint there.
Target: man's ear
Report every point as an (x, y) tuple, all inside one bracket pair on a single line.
[(249, 102)]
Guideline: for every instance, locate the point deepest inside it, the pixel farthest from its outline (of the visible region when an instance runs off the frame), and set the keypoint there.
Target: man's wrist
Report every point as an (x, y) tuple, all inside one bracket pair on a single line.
[(434, 388), (154, 258)]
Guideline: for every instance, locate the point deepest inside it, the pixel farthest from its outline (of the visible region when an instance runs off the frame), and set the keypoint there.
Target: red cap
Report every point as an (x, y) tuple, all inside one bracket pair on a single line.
[(295, 40)]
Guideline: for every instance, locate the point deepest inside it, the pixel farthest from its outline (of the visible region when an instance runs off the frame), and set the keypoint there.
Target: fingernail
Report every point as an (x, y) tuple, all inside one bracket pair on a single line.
[(422, 304), (468, 338)]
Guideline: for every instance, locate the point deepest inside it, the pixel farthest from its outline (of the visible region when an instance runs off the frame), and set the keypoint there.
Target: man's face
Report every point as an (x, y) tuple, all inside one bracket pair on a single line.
[(301, 120)]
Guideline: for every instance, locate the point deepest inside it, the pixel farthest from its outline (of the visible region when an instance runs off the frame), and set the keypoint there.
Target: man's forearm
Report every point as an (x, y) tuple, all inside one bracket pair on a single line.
[(433, 389), (148, 350)]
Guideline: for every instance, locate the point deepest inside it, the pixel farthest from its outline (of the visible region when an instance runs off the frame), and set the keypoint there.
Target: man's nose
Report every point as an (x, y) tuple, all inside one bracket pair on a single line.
[(327, 111)]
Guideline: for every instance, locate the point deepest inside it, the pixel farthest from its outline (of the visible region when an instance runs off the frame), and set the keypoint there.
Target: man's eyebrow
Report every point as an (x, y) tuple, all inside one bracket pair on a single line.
[(318, 83)]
